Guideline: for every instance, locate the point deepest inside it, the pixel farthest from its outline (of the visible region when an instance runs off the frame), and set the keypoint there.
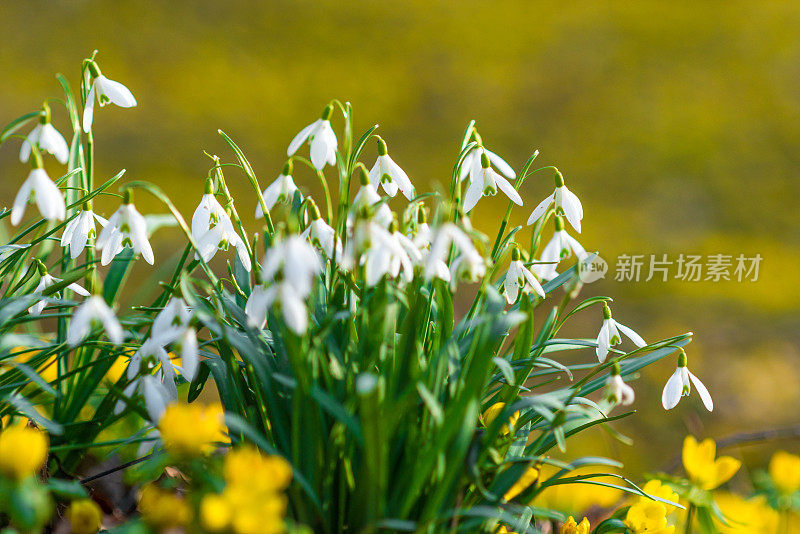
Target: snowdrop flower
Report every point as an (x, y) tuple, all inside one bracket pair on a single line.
[(322, 235), (610, 335), (286, 297), (561, 246), (366, 198), (443, 238), (281, 190), (472, 161), (47, 281), (171, 322), (520, 277), (389, 174), (390, 253), (80, 230), (213, 230), (617, 391), (147, 359), (187, 347), (679, 385), (157, 394), (125, 228), (92, 313), (567, 204), (41, 189), (467, 268), (107, 91), (47, 138), (485, 183), (320, 137), (297, 261), (422, 234)]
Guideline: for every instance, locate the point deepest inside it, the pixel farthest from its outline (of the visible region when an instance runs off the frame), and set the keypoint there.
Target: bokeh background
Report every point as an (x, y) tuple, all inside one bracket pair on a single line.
[(677, 123)]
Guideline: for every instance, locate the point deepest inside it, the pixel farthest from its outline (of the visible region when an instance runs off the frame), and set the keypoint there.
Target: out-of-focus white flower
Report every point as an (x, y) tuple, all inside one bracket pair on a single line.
[(322, 235), (617, 391), (171, 321), (467, 268), (147, 358), (125, 228), (561, 246), (186, 345), (610, 335), (213, 230), (296, 260), (321, 139), (486, 182), (366, 198), (389, 174), (93, 312), (286, 297), (107, 91), (47, 281), (520, 277), (41, 189), (389, 253), (47, 138), (80, 230), (281, 190), (444, 237), (567, 204), (679, 384)]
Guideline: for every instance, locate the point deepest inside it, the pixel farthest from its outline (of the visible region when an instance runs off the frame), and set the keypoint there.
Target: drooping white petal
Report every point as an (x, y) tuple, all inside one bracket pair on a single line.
[(155, 397), (88, 111), (506, 187), (540, 210), (53, 142), (705, 396), (116, 92), (633, 336), (603, 342), (294, 311), (533, 282), (189, 354), (301, 137), (21, 201), (466, 164), (673, 390), (573, 210), (501, 165), (48, 196), (473, 194), (31, 139)]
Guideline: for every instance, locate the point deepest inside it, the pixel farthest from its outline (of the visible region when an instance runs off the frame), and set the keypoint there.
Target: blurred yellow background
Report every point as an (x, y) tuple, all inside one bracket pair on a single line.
[(677, 124)]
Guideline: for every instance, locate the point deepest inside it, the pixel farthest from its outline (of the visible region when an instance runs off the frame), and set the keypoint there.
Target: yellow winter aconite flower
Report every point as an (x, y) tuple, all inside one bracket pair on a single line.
[(192, 429), (530, 476), (215, 512), (84, 517), (23, 451), (784, 469), (746, 516), (648, 516), (570, 527), (575, 498), (702, 467), (248, 467), (657, 489), (493, 411), (162, 509)]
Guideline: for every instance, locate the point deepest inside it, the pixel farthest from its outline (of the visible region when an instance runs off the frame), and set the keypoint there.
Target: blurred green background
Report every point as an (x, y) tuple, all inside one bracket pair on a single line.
[(677, 123)]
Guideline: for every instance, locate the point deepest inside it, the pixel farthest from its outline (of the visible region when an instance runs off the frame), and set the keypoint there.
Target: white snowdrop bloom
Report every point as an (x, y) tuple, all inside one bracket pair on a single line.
[(422, 236), (147, 359), (80, 230), (93, 312), (186, 345), (285, 297), (158, 392), (486, 183), (47, 281), (367, 197), (107, 91), (171, 322), (322, 235), (125, 228), (320, 137), (567, 204), (281, 190), (610, 335), (41, 189), (519, 278), (47, 138), (561, 246), (617, 391), (213, 230), (467, 268), (389, 174), (679, 384), (296, 260), (444, 237), (472, 161), (389, 253)]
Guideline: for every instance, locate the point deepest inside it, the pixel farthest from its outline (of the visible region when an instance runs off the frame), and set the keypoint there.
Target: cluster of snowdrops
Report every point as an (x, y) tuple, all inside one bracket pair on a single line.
[(353, 394)]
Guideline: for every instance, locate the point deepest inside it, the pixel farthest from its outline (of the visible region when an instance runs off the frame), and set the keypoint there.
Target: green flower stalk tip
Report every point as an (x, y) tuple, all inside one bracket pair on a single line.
[(559, 179), (312, 208), (127, 196), (209, 190), (44, 118), (326, 113), (40, 267), (615, 369), (382, 150), (682, 359), (421, 217), (288, 167), (606, 312), (484, 160), (94, 70), (393, 226), (363, 176), (515, 255), (559, 223)]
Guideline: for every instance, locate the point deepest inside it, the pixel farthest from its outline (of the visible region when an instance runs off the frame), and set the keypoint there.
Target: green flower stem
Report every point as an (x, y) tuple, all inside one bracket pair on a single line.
[(687, 529)]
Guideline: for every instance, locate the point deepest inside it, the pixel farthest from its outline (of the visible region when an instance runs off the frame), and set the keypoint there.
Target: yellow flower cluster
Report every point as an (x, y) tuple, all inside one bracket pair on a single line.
[(750, 516), (701, 466), (23, 451), (163, 510), (252, 501), (571, 527), (784, 469), (647, 515), (192, 429), (84, 517)]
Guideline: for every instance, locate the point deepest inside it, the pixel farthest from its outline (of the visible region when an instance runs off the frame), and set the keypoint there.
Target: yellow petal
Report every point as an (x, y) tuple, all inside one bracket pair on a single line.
[(726, 467)]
